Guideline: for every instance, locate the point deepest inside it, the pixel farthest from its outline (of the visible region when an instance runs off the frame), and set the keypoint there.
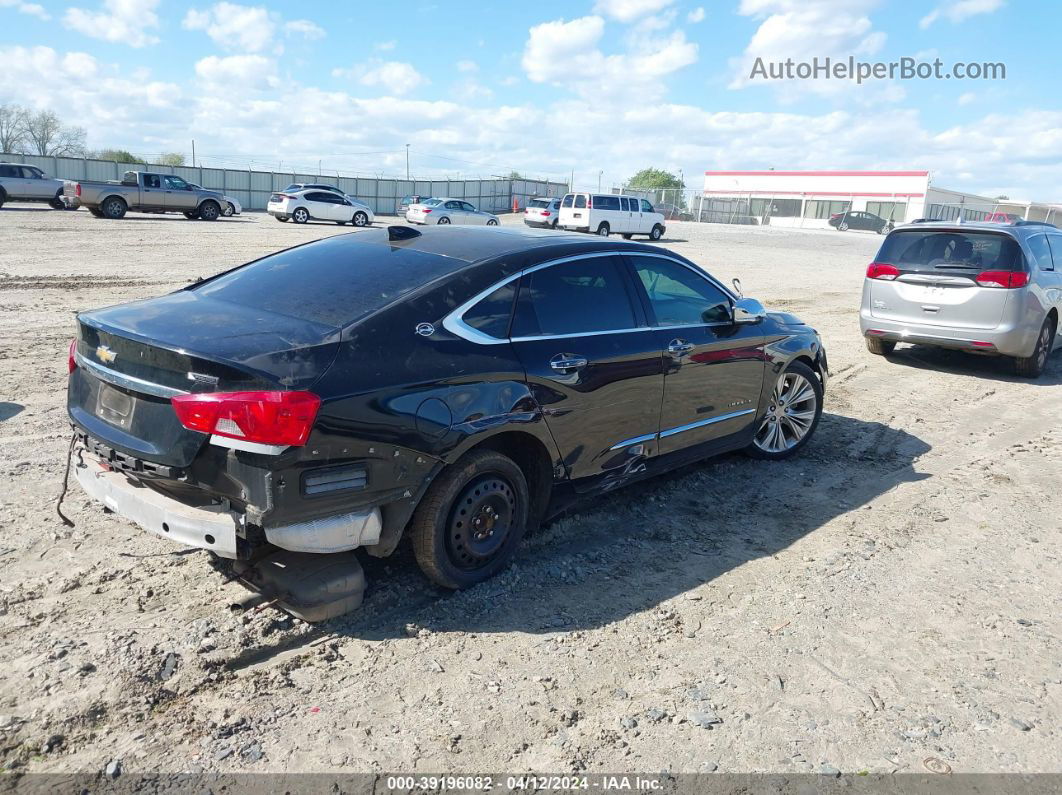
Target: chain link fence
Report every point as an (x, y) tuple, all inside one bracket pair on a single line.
[(253, 188), (815, 211)]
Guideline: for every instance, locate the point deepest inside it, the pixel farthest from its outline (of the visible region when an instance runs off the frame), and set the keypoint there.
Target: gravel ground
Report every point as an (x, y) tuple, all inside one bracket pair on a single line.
[(889, 597)]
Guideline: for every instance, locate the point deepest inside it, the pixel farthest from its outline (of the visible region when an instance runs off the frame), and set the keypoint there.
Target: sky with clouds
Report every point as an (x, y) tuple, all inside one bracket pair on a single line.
[(594, 87)]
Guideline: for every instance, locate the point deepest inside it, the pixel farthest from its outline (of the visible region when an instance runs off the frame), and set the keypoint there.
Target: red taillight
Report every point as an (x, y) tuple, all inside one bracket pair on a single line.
[(545, 212), (281, 418), (77, 190), (71, 357), (882, 270), (1005, 279), (980, 344), (425, 211), (590, 203)]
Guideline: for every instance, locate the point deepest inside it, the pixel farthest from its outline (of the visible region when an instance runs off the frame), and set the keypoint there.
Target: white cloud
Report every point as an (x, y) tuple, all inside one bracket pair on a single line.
[(384, 46), (249, 71), (33, 9), (803, 30), (629, 10), (234, 27), (396, 77), (304, 28), (696, 15), (120, 21), (958, 10), (967, 99), (567, 54), (467, 66)]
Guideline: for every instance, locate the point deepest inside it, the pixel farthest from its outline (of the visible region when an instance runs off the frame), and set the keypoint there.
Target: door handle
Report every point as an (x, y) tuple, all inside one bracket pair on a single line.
[(563, 362), (679, 347)]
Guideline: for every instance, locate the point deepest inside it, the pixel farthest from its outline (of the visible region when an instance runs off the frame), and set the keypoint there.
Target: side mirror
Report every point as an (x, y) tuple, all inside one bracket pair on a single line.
[(748, 310)]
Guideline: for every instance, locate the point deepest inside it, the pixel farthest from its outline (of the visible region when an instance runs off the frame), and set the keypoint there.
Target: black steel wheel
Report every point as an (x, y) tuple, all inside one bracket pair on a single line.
[(470, 522)]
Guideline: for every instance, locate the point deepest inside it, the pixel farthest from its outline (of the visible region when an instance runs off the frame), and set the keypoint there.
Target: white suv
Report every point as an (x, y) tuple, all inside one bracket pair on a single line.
[(604, 214)]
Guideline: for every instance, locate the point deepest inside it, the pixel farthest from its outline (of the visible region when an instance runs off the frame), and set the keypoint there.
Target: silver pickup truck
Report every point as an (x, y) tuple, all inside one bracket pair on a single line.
[(19, 182), (146, 192)]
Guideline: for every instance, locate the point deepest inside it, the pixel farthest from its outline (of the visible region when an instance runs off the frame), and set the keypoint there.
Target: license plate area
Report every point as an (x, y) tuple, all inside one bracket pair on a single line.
[(115, 406)]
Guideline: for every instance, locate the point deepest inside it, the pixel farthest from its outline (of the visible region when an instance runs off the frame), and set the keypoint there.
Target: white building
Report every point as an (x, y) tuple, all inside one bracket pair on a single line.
[(808, 198)]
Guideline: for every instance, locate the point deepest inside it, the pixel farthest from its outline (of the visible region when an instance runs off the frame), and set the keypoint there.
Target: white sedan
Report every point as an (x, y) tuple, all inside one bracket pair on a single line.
[(319, 205), (448, 211)]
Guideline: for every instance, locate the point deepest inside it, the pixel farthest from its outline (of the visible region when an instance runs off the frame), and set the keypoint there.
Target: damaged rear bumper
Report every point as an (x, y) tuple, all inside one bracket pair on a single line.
[(216, 527)]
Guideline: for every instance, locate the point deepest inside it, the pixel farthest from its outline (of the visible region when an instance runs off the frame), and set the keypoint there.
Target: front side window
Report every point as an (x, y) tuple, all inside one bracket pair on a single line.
[(176, 183), (678, 296), (467, 207), (555, 300), (646, 206), (31, 173)]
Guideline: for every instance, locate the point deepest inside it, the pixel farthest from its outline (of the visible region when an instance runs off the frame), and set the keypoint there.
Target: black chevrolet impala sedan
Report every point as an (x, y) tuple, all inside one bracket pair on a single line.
[(456, 384)]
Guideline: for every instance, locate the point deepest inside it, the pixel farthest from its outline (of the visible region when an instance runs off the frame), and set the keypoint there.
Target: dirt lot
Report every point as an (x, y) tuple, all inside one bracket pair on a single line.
[(890, 596)]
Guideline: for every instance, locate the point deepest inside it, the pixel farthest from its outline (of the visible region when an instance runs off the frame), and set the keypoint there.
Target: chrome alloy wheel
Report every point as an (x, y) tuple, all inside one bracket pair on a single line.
[(790, 414)]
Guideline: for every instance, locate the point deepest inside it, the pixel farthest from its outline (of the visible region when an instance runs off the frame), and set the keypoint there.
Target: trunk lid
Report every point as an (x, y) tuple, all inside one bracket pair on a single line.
[(132, 358)]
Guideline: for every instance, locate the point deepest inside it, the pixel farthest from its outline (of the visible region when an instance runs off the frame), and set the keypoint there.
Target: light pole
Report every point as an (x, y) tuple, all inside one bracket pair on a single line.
[(407, 162), (599, 174)]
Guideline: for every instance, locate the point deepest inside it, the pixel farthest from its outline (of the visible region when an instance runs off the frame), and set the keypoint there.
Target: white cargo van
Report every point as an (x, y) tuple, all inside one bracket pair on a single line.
[(605, 214)]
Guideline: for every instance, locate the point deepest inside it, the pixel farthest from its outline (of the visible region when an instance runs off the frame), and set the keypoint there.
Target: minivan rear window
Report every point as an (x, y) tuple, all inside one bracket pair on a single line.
[(920, 250)]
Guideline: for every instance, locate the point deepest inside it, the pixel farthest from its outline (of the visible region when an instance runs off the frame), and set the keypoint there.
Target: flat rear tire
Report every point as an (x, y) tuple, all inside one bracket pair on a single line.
[(878, 346)]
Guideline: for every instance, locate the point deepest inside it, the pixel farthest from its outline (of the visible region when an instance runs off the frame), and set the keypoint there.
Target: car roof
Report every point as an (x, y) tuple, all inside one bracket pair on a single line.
[(467, 245), (1014, 229)]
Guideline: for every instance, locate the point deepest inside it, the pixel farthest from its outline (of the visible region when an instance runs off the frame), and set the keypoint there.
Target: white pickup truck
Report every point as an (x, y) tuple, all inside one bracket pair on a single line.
[(147, 192), (19, 182)]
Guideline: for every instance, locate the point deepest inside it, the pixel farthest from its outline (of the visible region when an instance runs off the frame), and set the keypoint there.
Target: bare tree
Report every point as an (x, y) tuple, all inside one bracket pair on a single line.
[(12, 128), (47, 135)]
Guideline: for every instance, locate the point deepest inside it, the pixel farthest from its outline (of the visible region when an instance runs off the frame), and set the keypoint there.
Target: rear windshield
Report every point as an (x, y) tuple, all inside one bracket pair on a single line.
[(933, 250), (538, 203), (431, 202), (333, 281)]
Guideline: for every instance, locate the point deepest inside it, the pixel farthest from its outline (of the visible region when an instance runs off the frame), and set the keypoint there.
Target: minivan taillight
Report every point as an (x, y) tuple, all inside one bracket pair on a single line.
[(589, 202), (269, 417), (1005, 279), (882, 270), (77, 190), (71, 357)]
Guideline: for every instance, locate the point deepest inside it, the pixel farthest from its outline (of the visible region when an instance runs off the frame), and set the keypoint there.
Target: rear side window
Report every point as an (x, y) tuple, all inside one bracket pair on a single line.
[(555, 300), (1041, 252), (330, 281), (8, 171), (606, 203), (493, 313), (919, 250)]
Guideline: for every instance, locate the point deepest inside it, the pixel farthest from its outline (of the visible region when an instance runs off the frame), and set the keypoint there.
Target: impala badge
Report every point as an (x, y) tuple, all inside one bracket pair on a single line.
[(105, 354)]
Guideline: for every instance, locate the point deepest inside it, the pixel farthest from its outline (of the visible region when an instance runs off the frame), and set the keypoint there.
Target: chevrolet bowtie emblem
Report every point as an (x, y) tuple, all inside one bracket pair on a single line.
[(105, 354)]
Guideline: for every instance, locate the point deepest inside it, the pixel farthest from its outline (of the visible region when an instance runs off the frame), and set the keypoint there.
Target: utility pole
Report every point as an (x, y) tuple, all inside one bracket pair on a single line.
[(407, 162), (193, 153), (318, 168), (599, 174)]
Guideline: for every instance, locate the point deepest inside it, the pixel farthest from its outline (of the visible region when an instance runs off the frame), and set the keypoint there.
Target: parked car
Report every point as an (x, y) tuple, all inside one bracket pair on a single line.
[(407, 201), (449, 211), (319, 205), (857, 219), (1003, 218), (232, 205), (449, 384), (146, 192), (19, 182), (673, 212), (604, 214), (542, 212), (977, 287)]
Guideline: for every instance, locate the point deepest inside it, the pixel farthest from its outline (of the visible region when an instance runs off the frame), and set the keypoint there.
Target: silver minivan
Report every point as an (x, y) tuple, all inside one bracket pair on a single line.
[(980, 287)]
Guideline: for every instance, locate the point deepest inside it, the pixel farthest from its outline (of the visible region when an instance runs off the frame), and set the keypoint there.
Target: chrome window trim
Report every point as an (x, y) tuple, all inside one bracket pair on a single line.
[(126, 381), (455, 324)]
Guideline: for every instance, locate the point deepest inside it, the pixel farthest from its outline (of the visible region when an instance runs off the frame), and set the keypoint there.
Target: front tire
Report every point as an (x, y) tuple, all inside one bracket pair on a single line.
[(209, 211), (301, 215), (229, 210), (792, 414), (360, 219), (603, 230), (114, 208), (471, 520), (1033, 366), (878, 346)]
